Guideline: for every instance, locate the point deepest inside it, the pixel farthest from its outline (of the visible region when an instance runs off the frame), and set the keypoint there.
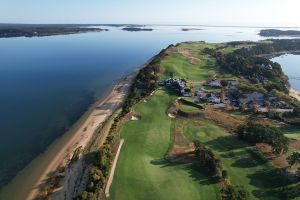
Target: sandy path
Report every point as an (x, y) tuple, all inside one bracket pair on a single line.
[(84, 133), (113, 168)]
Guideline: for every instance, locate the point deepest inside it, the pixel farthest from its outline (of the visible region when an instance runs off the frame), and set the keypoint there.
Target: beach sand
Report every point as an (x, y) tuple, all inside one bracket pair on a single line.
[(294, 93)]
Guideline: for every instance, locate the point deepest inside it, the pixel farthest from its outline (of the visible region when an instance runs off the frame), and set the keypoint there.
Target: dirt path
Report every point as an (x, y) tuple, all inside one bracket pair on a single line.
[(113, 168), (84, 133)]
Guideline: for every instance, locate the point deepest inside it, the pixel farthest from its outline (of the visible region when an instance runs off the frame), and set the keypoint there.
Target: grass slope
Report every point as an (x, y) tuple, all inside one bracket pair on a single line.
[(142, 172)]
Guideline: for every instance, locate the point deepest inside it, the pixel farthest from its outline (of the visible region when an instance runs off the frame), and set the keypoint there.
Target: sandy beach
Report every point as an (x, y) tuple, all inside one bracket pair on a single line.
[(294, 93), (85, 131)]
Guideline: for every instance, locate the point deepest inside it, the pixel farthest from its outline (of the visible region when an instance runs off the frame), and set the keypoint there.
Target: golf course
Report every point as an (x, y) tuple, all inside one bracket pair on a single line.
[(143, 172)]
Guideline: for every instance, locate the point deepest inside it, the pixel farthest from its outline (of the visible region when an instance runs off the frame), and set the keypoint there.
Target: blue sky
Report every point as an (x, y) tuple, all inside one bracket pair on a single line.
[(217, 12)]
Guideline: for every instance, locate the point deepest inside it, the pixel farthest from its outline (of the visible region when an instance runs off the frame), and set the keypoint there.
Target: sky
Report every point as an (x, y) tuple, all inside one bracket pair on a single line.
[(190, 12)]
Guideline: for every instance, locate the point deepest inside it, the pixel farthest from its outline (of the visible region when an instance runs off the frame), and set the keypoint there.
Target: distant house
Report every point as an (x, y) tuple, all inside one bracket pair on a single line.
[(214, 99), (267, 67), (215, 83), (186, 92), (231, 84), (179, 86), (258, 98)]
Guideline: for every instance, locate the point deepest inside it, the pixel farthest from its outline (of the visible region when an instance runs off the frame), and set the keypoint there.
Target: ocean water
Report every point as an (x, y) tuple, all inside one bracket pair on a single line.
[(47, 83), (290, 64)]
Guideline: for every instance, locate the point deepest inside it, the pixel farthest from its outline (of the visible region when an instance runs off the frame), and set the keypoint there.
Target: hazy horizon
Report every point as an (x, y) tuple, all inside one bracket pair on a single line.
[(266, 13)]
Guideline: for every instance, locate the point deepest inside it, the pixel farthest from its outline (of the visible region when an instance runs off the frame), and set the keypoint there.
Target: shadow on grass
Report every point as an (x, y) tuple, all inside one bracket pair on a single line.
[(249, 158), (272, 183), (286, 192), (198, 173), (225, 143), (269, 179)]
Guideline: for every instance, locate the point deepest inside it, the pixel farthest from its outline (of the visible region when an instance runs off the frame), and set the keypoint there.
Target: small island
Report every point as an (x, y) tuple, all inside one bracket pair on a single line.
[(22, 30), (191, 29), (135, 29), (278, 33)]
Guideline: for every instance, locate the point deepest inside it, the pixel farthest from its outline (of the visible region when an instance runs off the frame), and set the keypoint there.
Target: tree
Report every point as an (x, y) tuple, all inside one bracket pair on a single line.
[(298, 173), (222, 95), (294, 158), (224, 174)]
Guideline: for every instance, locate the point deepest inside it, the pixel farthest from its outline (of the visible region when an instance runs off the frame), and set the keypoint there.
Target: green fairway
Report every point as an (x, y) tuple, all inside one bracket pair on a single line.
[(245, 167), (181, 67), (142, 172)]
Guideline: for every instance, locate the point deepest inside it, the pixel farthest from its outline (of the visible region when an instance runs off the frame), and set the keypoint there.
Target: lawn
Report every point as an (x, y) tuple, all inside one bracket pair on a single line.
[(142, 172), (245, 166), (187, 108)]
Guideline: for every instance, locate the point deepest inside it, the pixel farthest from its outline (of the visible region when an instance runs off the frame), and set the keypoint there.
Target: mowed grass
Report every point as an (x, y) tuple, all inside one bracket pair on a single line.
[(188, 108), (142, 172), (245, 167)]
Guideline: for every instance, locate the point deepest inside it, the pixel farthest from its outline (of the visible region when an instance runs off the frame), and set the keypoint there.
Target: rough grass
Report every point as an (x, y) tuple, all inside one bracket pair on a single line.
[(291, 131), (142, 172), (183, 68), (245, 166)]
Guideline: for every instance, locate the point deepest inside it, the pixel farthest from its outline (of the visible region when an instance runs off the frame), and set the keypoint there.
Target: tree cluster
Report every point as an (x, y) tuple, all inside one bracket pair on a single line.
[(259, 133), (207, 159), (230, 192)]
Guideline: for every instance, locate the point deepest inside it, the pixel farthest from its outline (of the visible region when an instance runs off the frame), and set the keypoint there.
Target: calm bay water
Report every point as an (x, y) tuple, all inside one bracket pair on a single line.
[(291, 66), (47, 83)]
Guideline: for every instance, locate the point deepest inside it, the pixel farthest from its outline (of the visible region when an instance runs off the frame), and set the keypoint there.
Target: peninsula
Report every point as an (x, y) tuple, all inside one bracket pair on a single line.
[(135, 29), (278, 33), (27, 30)]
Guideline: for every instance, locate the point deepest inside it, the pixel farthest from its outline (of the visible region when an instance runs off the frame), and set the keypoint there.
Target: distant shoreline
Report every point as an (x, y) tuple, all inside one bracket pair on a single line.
[(11, 31), (279, 33)]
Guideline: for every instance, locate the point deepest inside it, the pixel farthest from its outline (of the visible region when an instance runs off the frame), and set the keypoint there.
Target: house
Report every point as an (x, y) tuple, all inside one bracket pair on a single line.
[(175, 83), (200, 94), (214, 99), (186, 92), (231, 84), (258, 98), (215, 83), (267, 67)]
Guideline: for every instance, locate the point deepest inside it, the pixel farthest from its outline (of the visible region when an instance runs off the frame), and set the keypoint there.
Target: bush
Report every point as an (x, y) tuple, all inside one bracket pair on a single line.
[(230, 192)]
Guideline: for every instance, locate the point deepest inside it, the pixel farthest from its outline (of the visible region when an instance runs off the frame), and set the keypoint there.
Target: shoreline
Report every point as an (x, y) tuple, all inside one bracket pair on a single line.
[(99, 112), (294, 93), (61, 150)]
